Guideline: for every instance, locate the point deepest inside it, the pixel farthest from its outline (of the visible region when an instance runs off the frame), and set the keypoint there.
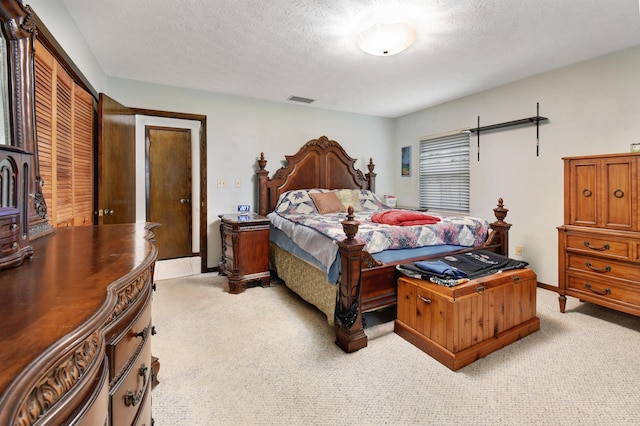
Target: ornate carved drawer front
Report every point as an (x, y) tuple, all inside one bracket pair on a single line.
[(603, 268), (600, 246), (122, 351), (133, 390)]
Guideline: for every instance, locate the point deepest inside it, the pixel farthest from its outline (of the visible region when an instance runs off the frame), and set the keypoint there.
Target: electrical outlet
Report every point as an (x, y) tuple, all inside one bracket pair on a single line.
[(237, 183), (222, 183), (518, 250)]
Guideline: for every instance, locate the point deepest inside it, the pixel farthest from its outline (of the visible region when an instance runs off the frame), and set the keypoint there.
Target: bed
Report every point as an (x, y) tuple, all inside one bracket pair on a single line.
[(356, 280)]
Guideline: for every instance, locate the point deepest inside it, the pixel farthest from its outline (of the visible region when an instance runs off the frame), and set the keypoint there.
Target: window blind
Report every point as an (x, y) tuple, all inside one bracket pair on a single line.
[(445, 173)]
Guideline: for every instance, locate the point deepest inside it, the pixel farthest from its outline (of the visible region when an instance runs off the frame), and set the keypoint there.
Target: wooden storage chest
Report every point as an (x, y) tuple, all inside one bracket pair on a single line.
[(458, 325)]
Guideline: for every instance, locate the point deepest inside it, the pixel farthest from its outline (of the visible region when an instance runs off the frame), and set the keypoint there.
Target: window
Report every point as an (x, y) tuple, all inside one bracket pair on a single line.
[(445, 173)]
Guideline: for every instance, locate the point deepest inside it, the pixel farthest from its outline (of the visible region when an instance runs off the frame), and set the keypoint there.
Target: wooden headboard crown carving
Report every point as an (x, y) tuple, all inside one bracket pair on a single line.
[(320, 163)]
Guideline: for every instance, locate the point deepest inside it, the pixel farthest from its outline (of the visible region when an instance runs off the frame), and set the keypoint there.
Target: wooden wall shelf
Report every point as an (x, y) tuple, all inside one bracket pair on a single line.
[(536, 119), (528, 120)]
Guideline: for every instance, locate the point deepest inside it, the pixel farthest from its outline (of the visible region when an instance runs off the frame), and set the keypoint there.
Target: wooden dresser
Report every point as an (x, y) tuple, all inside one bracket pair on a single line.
[(599, 243), (75, 343)]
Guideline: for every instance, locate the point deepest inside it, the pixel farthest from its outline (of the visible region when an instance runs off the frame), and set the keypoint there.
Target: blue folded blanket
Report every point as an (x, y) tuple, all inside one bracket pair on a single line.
[(441, 268)]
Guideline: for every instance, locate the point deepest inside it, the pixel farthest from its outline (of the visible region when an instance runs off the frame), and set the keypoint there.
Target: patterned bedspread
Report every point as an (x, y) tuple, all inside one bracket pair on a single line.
[(456, 230), (459, 230)]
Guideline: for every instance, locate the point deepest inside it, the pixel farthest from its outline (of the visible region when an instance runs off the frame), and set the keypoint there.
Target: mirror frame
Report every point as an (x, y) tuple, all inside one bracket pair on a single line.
[(18, 27)]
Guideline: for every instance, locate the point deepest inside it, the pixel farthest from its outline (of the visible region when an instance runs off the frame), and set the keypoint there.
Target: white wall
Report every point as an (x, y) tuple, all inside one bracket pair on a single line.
[(54, 15), (593, 107), (239, 129)]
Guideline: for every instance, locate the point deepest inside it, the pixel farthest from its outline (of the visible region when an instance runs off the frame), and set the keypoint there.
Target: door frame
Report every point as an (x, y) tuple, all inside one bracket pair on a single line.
[(202, 166)]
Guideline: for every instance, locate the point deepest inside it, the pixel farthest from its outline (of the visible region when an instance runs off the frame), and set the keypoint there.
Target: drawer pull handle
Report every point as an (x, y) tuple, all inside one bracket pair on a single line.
[(600, 292), (587, 193), (604, 270), (603, 248), (132, 399), (13, 227), (424, 299), (618, 193), (144, 333)]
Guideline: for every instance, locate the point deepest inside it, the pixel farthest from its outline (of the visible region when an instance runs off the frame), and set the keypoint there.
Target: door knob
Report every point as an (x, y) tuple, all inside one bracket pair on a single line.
[(107, 212), (184, 201)]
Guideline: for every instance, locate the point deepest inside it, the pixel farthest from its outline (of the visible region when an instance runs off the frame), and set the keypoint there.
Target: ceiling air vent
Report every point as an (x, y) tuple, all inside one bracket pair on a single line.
[(300, 99)]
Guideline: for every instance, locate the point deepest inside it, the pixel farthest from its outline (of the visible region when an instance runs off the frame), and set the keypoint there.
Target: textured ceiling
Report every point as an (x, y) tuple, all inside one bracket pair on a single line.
[(273, 49)]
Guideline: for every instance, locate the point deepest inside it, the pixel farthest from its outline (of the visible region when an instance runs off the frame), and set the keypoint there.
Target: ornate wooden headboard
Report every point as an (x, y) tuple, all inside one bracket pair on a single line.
[(320, 163)]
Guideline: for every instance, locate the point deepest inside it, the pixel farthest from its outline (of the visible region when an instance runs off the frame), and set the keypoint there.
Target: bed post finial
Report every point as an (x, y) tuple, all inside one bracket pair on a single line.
[(500, 212), (263, 177), (500, 229), (371, 176), (350, 226)]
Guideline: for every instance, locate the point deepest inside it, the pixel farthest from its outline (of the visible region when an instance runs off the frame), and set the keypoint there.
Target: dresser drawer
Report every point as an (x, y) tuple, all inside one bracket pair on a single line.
[(9, 245), (601, 245), (122, 349), (129, 396), (609, 290), (9, 226), (603, 268)]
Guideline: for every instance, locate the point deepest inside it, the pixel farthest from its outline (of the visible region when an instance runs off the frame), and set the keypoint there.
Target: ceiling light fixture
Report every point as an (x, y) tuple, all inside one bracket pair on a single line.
[(386, 39)]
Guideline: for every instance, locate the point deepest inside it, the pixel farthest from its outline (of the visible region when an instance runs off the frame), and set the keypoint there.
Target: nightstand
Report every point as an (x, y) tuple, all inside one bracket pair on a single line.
[(245, 250)]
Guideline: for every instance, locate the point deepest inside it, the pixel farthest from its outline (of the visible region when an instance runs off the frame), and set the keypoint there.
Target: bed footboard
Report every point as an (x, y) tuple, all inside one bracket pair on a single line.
[(367, 285)]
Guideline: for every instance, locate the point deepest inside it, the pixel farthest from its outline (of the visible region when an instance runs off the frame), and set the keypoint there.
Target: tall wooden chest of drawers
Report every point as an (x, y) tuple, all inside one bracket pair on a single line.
[(599, 243)]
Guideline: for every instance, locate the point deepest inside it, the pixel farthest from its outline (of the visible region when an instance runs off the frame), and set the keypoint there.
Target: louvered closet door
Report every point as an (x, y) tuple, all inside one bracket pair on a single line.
[(64, 125)]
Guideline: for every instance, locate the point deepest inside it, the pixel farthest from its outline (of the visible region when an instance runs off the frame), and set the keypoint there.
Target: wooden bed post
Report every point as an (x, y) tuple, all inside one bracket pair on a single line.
[(501, 228), (371, 176), (349, 330), (263, 177)]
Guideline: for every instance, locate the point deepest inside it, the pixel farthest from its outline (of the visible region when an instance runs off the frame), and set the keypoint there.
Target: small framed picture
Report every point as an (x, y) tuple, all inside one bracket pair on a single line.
[(635, 147), (406, 161)]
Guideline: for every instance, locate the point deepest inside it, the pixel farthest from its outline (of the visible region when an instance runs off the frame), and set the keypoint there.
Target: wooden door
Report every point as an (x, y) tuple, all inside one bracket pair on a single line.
[(169, 189), (116, 164)]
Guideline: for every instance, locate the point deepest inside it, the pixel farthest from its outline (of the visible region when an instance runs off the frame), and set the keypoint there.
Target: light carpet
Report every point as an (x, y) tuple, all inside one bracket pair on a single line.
[(265, 357)]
